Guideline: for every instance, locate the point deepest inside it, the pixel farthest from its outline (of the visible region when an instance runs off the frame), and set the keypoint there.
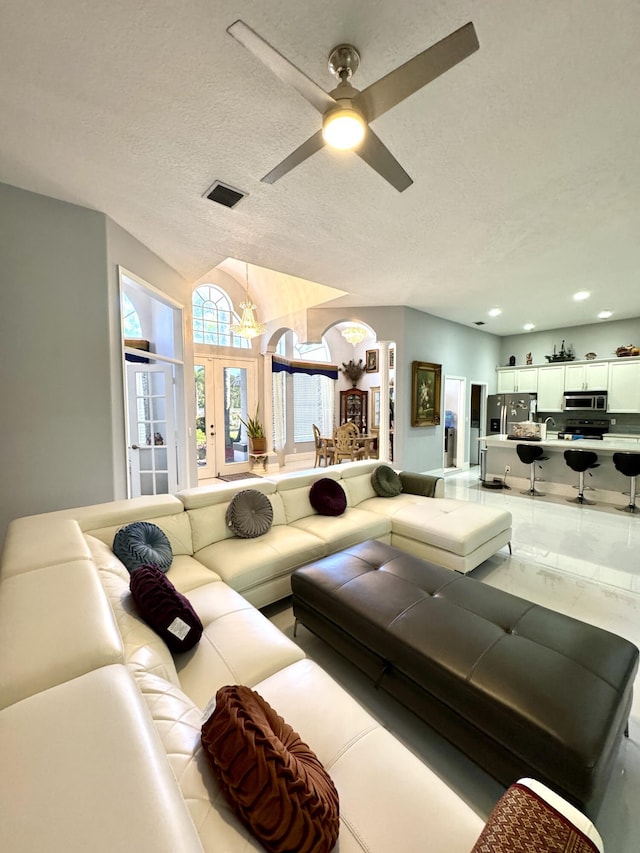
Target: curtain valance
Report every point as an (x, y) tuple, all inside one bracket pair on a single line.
[(313, 368)]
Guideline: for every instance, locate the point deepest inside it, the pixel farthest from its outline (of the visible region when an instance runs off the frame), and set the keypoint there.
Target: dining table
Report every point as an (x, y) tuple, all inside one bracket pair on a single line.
[(365, 440)]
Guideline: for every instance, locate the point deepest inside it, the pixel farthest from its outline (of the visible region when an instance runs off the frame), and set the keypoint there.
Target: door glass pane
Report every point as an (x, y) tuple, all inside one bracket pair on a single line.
[(146, 460), (235, 407), (158, 408), (158, 384), (146, 484), (159, 433), (144, 434), (161, 459), (201, 417), (162, 483)]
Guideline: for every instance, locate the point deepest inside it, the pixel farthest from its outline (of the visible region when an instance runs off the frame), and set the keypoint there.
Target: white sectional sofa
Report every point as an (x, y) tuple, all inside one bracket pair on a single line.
[(451, 533), (100, 723)]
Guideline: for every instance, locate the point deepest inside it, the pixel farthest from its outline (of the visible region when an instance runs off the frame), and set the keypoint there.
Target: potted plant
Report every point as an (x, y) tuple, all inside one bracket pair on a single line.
[(353, 371), (255, 434)]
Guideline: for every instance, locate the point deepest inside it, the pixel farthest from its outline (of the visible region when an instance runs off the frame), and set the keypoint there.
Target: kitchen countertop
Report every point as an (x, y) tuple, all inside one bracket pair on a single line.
[(609, 444)]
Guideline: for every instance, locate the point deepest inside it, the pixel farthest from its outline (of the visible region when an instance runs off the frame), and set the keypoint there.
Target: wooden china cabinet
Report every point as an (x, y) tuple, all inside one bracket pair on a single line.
[(354, 407)]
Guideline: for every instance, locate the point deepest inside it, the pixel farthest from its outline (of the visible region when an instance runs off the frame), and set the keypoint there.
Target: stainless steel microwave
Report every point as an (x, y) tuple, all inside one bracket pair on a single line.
[(594, 401)]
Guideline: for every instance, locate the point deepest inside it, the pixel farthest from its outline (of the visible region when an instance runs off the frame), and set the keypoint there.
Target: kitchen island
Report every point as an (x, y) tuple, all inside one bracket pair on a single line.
[(556, 478)]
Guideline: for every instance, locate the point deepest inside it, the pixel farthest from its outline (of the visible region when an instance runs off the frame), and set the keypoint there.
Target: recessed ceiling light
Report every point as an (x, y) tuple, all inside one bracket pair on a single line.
[(528, 327), (495, 312), (581, 295), (604, 315)]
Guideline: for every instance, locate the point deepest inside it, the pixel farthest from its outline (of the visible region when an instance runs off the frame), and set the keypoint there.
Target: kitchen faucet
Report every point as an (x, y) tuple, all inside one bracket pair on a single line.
[(546, 421)]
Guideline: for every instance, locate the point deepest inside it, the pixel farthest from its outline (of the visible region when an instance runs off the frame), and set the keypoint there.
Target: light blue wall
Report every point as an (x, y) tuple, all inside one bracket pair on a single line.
[(462, 352)]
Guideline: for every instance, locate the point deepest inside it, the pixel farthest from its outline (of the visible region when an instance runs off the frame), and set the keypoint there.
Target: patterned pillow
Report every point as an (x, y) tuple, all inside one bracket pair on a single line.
[(327, 497), (164, 609), (249, 514), (271, 779), (386, 482), (141, 543), (522, 822)]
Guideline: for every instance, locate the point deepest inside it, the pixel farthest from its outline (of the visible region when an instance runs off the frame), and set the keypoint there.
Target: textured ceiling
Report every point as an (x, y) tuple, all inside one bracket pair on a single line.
[(524, 156)]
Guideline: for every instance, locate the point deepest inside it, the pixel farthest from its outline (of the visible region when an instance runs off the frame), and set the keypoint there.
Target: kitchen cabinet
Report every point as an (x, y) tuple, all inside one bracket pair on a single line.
[(523, 379), (551, 384), (624, 387), (586, 377)]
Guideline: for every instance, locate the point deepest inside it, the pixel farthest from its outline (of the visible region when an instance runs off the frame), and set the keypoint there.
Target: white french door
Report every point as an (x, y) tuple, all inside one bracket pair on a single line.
[(225, 392), (152, 446)]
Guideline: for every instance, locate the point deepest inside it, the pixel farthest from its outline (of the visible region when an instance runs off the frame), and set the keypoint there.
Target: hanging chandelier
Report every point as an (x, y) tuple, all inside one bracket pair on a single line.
[(248, 327), (354, 334)]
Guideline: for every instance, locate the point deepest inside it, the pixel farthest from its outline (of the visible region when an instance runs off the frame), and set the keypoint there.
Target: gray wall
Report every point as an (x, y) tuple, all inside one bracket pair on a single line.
[(55, 376), (61, 411)]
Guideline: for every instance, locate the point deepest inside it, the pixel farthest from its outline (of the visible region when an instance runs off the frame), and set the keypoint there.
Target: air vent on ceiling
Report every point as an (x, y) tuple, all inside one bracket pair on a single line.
[(224, 194), (478, 322)]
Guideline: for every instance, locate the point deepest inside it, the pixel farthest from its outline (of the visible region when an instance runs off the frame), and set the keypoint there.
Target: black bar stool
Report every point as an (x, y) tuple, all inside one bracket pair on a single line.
[(581, 460), (530, 454), (628, 463)]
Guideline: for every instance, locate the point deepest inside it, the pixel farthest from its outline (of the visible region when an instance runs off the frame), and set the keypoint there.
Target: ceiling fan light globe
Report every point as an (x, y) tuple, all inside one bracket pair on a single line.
[(343, 128)]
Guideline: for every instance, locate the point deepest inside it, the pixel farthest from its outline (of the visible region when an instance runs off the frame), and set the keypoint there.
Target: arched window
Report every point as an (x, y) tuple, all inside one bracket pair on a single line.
[(131, 326), (213, 315)]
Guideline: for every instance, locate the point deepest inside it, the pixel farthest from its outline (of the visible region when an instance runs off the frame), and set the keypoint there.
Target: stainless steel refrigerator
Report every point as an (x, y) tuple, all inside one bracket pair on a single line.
[(506, 409)]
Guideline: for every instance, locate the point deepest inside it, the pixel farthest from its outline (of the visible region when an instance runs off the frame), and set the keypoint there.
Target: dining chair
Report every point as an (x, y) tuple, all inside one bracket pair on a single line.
[(324, 448), (346, 444)]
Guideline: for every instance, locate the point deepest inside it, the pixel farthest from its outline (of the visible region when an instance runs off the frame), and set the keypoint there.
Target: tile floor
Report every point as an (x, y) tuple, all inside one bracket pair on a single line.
[(583, 561)]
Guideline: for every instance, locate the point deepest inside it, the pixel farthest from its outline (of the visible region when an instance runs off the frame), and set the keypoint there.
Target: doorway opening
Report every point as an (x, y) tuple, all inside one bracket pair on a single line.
[(454, 422), (477, 417), (226, 394), (153, 383)]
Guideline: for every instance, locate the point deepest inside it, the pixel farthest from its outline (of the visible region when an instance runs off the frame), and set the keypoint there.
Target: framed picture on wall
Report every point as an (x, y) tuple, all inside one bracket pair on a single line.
[(372, 361), (374, 402), (425, 393)]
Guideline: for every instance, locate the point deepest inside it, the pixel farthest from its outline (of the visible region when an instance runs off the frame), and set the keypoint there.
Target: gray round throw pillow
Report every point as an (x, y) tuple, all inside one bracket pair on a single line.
[(249, 514), (386, 482), (142, 544)]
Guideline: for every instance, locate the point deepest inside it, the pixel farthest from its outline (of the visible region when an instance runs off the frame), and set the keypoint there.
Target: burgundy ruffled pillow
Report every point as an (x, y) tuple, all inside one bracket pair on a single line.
[(164, 609), (269, 776), (327, 497)]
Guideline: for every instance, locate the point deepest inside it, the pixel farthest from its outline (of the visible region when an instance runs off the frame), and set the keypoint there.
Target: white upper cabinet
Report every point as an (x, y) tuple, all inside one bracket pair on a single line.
[(523, 379), (551, 388), (586, 377), (624, 386)]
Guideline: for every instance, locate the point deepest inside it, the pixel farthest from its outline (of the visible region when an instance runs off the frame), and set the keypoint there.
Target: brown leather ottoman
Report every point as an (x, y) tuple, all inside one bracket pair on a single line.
[(522, 690)]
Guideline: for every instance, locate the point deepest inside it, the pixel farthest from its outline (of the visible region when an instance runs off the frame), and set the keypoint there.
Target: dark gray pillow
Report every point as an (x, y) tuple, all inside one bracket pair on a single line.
[(249, 514), (386, 482), (142, 544)]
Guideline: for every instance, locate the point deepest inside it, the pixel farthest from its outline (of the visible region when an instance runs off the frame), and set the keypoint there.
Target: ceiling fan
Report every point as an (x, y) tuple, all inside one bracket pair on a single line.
[(346, 110)]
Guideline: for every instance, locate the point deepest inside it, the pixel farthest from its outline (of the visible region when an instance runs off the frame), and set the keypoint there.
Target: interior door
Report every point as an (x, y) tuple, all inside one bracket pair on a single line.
[(225, 393), (152, 443)]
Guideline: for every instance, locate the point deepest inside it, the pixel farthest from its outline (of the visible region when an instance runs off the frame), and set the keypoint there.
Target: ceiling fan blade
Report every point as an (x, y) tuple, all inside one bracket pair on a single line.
[(377, 155), (281, 67), (388, 91), (313, 144)]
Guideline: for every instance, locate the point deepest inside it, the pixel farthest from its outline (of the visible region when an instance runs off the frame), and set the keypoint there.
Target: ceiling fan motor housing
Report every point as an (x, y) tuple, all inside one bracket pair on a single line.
[(344, 61)]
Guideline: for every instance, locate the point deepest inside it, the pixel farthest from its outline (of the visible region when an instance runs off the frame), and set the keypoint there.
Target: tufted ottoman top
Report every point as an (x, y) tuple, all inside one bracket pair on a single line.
[(551, 690)]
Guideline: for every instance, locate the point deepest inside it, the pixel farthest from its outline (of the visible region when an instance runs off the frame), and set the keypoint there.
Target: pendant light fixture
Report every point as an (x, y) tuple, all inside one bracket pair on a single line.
[(354, 334), (248, 327)]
